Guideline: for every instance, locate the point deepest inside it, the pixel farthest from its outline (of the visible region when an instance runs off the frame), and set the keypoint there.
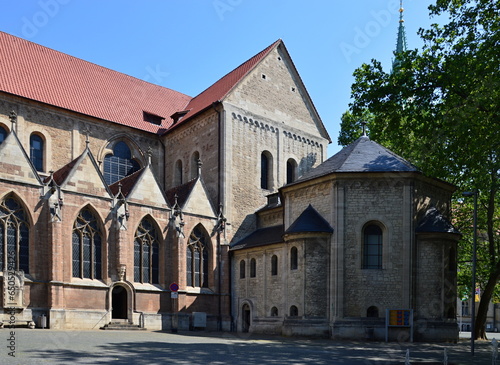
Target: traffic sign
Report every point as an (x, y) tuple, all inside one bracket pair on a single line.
[(174, 287)]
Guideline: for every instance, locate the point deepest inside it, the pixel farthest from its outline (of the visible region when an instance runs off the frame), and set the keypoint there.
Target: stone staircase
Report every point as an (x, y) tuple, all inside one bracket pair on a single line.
[(123, 325)]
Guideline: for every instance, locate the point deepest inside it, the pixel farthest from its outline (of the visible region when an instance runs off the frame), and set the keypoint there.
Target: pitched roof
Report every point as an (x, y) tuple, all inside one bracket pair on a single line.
[(363, 155), (223, 86), (434, 222), (126, 184), (309, 221), (260, 237), (182, 191), (39, 73)]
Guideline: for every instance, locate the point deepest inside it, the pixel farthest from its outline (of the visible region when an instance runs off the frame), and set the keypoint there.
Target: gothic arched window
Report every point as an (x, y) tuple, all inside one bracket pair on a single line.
[(36, 151), (119, 164), (372, 247), (146, 253), (14, 236), (197, 261), (87, 246)]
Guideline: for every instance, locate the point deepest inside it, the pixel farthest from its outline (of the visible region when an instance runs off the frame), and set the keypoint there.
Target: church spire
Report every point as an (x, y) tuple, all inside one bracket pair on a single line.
[(401, 42)]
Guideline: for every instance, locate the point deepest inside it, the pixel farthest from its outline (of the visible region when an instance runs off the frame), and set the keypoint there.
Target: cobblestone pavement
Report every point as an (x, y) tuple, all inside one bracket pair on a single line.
[(149, 347)]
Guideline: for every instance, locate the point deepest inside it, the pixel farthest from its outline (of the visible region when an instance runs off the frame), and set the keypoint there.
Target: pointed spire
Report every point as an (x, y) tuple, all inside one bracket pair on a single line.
[(401, 41), (13, 119), (199, 167)]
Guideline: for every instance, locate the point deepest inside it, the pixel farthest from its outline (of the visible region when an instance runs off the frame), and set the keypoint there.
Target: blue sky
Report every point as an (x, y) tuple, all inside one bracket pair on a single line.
[(186, 45)]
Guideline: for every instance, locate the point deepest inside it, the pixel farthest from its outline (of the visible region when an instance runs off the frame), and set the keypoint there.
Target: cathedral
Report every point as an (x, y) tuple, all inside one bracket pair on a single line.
[(124, 204)]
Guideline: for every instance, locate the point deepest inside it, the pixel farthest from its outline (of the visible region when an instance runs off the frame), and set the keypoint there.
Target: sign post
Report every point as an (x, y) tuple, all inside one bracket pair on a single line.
[(174, 295)]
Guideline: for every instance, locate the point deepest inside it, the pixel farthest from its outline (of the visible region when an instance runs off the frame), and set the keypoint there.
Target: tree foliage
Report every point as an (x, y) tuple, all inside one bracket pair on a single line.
[(440, 109)]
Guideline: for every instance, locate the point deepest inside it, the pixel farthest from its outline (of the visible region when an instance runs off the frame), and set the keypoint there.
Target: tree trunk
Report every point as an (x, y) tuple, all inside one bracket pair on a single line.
[(482, 313)]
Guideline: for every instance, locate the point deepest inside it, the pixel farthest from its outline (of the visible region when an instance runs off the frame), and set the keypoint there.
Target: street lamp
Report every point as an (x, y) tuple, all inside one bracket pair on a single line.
[(474, 241)]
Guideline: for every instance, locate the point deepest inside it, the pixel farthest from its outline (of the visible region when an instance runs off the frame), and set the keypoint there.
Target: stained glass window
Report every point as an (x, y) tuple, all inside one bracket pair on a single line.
[(119, 164), (146, 253), (87, 246), (197, 259), (14, 236)]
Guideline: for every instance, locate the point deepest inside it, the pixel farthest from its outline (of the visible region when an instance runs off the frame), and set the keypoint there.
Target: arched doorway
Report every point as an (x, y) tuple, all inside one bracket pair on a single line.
[(245, 318), (119, 302)]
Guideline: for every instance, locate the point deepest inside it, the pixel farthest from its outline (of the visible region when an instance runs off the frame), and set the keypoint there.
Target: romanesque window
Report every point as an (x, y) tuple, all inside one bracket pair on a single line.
[(194, 164), (197, 261), (274, 265), (14, 236), (372, 247), (87, 246), (36, 151), (178, 173), (274, 312), (265, 170), (294, 311), (253, 268), (119, 164), (291, 171), (242, 269), (294, 258), (3, 134), (146, 253)]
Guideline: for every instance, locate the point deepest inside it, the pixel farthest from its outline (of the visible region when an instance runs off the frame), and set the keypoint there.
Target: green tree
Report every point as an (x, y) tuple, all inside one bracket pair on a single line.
[(440, 109)]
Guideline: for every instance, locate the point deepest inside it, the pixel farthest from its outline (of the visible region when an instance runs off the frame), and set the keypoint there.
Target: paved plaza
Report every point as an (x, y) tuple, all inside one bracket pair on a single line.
[(149, 347)]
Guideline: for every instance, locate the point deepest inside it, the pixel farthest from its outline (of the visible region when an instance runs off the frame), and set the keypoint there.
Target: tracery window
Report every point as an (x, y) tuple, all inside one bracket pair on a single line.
[(146, 253), (197, 260), (14, 236), (87, 246), (36, 151), (372, 247), (119, 164)]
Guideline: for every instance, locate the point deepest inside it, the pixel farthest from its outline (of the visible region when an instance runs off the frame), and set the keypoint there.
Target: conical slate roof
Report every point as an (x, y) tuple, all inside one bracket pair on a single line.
[(363, 155)]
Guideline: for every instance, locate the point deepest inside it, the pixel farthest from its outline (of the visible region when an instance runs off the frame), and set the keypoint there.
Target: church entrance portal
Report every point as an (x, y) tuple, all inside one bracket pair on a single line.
[(245, 318), (119, 303)]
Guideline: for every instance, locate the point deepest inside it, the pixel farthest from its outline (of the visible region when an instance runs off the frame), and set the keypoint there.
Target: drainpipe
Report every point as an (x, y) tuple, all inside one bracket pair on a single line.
[(216, 106)]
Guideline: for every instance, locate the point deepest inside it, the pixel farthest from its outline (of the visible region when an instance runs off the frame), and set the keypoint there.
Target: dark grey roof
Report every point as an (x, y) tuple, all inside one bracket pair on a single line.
[(260, 237), (434, 222), (310, 221), (363, 155)]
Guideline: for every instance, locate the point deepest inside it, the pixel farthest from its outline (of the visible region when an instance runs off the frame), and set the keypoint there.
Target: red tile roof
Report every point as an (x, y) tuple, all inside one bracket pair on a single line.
[(35, 72), (39, 73), (221, 88)]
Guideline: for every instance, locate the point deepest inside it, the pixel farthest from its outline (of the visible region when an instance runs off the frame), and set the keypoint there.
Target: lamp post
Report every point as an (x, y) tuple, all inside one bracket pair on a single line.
[(474, 242)]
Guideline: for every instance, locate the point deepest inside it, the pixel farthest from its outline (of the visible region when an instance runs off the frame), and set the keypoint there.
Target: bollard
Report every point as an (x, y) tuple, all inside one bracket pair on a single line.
[(494, 351), (407, 357), (445, 360)]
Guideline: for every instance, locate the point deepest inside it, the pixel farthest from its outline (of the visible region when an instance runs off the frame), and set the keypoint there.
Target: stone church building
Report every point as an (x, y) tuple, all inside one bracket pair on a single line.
[(123, 203)]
